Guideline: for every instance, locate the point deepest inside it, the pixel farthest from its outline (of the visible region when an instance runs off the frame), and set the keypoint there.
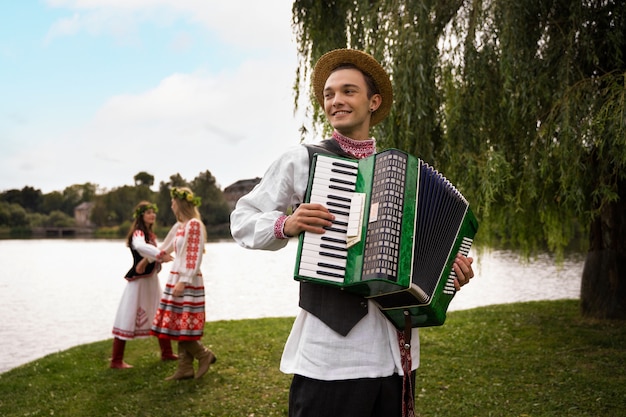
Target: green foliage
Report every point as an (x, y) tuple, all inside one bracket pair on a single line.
[(530, 359), (520, 104), (12, 214), (37, 219), (113, 209), (318, 22), (76, 194), (28, 198), (143, 178), (59, 219), (117, 205), (52, 201), (214, 209), (113, 231)]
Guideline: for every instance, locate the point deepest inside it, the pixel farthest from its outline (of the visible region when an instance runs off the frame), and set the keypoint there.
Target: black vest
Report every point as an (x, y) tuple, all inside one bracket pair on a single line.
[(338, 309), (132, 274)]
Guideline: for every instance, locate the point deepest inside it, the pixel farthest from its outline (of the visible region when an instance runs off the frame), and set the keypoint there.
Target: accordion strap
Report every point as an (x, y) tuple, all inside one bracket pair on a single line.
[(404, 339)]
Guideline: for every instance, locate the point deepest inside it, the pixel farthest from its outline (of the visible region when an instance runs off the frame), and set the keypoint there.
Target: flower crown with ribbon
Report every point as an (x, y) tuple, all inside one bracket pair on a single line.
[(186, 196), (139, 211)]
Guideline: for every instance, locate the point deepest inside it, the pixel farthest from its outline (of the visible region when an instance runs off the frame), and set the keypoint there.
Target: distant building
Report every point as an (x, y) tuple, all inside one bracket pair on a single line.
[(235, 191), (82, 213)]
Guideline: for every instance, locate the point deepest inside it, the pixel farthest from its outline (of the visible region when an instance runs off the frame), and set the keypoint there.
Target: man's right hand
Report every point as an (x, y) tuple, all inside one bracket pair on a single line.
[(308, 218)]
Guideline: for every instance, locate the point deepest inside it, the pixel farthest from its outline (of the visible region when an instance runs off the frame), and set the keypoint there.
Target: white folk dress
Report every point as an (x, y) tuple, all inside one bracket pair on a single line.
[(182, 318), (140, 298)]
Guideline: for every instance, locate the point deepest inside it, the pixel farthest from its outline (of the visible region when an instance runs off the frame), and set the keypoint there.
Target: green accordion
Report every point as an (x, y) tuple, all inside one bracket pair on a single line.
[(398, 227)]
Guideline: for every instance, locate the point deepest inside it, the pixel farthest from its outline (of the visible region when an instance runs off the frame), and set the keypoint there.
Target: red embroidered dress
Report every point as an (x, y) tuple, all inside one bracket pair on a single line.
[(182, 318)]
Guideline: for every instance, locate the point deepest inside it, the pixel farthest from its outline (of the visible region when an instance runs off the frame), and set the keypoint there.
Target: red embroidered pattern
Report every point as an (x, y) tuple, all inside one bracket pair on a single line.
[(151, 237), (357, 148), (142, 318), (180, 318), (193, 244), (279, 233)]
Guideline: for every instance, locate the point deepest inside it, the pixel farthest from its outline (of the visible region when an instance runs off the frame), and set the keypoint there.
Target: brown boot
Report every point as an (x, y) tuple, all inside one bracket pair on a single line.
[(205, 357), (166, 350), (117, 358), (185, 364)]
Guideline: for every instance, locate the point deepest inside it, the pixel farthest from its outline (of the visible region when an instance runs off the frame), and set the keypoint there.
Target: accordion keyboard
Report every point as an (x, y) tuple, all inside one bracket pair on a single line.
[(325, 256)]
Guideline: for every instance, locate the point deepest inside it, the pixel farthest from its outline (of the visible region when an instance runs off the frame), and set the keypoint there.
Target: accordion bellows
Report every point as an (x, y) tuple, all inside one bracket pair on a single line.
[(399, 225)]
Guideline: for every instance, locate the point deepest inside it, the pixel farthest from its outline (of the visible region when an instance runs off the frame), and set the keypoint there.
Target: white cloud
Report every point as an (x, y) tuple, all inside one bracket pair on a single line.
[(244, 23), (232, 122), (181, 42)]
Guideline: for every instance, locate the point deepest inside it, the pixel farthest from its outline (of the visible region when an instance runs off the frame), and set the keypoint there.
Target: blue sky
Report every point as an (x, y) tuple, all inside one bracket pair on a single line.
[(99, 90)]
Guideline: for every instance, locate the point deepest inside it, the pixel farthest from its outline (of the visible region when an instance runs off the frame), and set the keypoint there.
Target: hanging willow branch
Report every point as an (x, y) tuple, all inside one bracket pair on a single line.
[(520, 104)]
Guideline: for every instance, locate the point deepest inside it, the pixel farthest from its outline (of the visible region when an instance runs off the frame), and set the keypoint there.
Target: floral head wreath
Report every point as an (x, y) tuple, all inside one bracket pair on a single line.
[(139, 211), (186, 196)]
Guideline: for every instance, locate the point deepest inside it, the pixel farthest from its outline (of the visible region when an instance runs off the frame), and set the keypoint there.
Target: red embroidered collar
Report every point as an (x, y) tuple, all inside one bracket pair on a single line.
[(357, 148)]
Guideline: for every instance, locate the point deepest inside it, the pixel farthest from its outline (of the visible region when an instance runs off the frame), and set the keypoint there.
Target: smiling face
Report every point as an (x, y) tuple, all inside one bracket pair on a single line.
[(347, 105), (149, 217)]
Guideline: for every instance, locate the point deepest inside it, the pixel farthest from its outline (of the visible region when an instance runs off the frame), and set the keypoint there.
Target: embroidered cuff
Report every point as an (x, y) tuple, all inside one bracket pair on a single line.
[(160, 255), (279, 233)]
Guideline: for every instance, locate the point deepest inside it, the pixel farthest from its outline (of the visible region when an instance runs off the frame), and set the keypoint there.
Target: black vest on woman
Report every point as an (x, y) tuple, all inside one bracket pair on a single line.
[(132, 274)]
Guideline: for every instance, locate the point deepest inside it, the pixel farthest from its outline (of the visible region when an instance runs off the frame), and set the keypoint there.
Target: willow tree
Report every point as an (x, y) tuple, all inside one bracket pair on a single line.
[(521, 104)]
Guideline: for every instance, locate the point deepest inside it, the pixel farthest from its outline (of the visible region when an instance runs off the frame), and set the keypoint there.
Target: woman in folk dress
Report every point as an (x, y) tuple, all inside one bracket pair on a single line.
[(142, 293), (181, 315)]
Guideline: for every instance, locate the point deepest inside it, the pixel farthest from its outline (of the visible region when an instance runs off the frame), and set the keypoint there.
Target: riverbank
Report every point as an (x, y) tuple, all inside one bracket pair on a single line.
[(61, 293), (525, 359)]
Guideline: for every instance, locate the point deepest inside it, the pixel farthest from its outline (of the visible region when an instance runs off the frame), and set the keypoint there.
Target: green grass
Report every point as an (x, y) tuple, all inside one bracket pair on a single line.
[(527, 359)]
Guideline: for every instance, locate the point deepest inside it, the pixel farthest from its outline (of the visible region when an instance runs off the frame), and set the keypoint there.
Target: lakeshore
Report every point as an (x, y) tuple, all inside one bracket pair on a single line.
[(60, 293)]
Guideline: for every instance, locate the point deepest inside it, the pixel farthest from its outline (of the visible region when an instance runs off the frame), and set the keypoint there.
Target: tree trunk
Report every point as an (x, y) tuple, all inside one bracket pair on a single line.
[(603, 289)]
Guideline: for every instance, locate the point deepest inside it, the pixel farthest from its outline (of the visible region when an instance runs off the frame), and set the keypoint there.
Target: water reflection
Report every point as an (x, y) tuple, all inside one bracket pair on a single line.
[(61, 293)]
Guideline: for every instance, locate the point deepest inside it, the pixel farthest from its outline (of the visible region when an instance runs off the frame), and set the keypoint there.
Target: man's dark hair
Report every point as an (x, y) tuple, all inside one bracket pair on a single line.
[(369, 81)]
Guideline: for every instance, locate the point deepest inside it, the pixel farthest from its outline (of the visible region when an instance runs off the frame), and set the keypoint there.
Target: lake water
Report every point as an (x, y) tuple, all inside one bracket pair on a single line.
[(59, 293)]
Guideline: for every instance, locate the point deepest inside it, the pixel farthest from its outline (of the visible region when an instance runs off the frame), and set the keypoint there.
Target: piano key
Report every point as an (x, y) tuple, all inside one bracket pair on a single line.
[(339, 213), (324, 251), (314, 259), (328, 190), (331, 233), (325, 192), (324, 256), (311, 262), (323, 195), (310, 266), (328, 163), (322, 275)]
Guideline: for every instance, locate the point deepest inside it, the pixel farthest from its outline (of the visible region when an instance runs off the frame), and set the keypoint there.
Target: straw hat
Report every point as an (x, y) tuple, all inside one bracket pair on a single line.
[(366, 63)]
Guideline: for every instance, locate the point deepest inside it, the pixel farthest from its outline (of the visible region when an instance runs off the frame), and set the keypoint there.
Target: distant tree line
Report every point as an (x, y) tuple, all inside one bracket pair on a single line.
[(28, 208)]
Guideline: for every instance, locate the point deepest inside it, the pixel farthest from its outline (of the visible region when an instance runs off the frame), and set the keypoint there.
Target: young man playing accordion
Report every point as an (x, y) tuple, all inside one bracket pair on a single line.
[(346, 357)]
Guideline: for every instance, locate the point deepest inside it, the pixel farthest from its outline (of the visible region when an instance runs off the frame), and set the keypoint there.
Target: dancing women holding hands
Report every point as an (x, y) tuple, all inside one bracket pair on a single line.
[(181, 312), (142, 293)]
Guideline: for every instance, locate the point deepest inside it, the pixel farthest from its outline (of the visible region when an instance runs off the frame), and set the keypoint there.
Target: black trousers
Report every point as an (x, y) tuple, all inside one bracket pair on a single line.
[(366, 397)]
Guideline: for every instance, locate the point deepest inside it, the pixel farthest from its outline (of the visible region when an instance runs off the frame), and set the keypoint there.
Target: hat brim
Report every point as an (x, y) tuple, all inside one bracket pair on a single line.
[(363, 61)]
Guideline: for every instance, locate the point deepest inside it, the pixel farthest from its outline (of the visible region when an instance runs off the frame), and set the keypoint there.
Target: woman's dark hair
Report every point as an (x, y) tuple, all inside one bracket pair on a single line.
[(139, 224)]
